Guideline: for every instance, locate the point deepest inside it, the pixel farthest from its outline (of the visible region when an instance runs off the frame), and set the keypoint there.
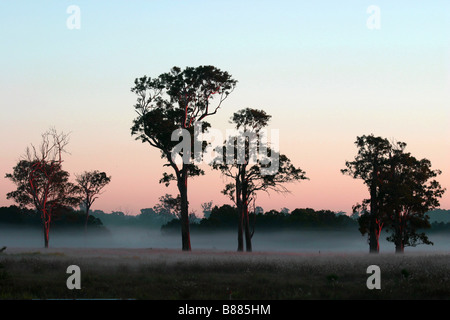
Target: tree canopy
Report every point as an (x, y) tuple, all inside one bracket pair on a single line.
[(253, 167), (402, 189), (173, 102)]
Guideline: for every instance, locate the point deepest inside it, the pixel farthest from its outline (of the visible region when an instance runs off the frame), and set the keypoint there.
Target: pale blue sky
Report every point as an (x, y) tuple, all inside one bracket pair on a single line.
[(314, 65)]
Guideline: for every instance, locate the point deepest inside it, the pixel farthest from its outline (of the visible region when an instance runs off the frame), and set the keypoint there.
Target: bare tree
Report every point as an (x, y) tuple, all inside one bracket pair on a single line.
[(40, 180)]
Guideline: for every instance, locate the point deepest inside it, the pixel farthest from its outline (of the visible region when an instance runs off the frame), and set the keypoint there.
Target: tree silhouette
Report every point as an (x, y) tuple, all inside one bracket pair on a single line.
[(41, 182), (251, 175), (373, 153), (90, 185), (206, 209), (173, 101), (401, 192), (409, 191), (169, 205)]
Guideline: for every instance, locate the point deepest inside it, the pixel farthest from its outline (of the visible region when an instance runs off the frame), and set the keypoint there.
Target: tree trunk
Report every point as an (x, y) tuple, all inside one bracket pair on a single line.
[(399, 243), (240, 228), (240, 211), (378, 232), (373, 239), (46, 234), (248, 237), (46, 223), (185, 235), (399, 248), (87, 218), (45, 237)]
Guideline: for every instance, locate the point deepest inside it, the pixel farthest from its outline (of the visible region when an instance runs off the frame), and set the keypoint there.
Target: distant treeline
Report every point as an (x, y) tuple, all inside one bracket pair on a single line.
[(64, 218), (219, 218), (148, 218), (225, 218), (439, 215), (67, 217)]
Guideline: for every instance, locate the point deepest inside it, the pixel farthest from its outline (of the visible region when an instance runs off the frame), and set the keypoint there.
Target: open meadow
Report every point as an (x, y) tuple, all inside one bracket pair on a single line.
[(166, 274)]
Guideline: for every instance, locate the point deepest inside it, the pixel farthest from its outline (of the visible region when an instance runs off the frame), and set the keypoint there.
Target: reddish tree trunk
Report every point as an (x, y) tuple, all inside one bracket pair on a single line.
[(184, 214), (378, 232), (46, 222), (399, 248)]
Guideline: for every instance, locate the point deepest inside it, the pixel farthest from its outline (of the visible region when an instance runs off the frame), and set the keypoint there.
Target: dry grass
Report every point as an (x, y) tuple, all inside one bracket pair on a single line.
[(172, 274)]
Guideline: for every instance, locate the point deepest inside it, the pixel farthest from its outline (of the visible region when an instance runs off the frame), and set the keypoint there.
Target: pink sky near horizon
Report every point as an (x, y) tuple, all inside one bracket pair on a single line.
[(314, 66), (136, 168), (317, 138)]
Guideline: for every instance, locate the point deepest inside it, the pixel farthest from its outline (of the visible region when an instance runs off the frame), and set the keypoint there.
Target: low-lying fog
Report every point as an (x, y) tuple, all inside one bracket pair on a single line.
[(299, 241)]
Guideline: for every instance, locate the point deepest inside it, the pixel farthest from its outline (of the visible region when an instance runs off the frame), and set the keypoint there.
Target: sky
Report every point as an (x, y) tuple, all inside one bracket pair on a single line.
[(327, 72)]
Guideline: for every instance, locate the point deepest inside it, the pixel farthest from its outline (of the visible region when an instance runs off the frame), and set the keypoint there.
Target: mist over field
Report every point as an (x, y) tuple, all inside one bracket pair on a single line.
[(124, 262), (349, 241)]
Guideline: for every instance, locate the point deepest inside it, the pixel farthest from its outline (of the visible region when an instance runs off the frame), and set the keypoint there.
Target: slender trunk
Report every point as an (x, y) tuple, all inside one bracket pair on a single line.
[(87, 218), (248, 238), (240, 228), (45, 237), (399, 248), (185, 235), (399, 243), (373, 240), (239, 206), (378, 230), (46, 223)]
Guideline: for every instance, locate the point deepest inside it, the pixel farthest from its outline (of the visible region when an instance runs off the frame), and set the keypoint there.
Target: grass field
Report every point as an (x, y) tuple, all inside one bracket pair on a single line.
[(172, 275)]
